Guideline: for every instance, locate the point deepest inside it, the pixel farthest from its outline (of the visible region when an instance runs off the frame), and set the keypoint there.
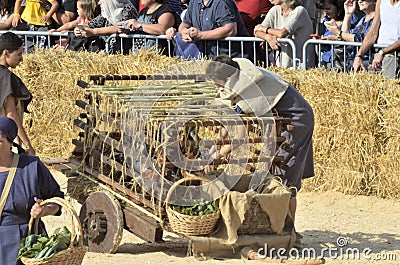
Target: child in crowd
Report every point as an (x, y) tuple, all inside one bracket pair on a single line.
[(87, 10), (14, 96), (37, 17)]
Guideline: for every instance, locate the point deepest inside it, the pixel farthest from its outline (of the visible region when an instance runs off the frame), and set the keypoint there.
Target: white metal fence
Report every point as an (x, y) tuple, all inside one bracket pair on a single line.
[(340, 47), (44, 39), (256, 54)]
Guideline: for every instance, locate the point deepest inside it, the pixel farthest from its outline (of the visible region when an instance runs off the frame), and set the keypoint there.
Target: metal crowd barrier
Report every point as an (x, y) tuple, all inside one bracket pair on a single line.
[(43, 38), (334, 45), (47, 40), (257, 41), (254, 41)]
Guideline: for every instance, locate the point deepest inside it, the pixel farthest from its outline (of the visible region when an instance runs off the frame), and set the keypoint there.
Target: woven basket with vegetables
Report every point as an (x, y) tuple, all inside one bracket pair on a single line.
[(199, 219), (63, 247)]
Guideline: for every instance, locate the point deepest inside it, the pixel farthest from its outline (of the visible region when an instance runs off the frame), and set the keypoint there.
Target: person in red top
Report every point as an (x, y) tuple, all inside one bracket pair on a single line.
[(253, 12)]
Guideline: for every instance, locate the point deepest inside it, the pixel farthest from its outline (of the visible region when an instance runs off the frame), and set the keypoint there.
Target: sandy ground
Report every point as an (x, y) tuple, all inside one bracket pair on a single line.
[(330, 220)]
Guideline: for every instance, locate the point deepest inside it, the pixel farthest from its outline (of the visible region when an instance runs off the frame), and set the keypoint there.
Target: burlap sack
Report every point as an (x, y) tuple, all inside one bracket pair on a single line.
[(273, 197)]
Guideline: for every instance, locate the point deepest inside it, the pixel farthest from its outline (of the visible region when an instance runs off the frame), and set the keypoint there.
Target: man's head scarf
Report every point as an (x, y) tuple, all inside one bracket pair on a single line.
[(9, 130)]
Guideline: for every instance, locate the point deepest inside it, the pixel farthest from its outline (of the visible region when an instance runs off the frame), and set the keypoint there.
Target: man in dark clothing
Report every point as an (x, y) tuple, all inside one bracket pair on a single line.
[(209, 20)]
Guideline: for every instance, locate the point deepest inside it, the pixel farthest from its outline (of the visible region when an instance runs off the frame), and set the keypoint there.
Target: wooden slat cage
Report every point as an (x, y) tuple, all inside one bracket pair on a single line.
[(140, 134)]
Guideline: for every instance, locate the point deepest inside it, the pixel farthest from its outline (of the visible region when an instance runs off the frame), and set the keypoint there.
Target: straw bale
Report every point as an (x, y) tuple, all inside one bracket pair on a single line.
[(388, 158), (357, 130)]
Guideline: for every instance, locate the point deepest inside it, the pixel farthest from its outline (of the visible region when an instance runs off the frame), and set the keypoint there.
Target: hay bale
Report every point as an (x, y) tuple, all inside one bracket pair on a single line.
[(357, 130)]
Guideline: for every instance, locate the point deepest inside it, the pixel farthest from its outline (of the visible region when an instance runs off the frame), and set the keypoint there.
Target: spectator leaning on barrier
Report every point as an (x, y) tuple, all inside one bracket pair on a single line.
[(87, 10), (37, 17), (253, 13), (386, 30), (333, 14), (6, 16), (287, 19), (154, 19), (357, 33), (113, 12), (208, 20), (66, 12)]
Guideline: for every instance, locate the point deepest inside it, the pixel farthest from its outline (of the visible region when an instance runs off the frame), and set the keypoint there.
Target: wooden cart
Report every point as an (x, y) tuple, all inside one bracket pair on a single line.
[(126, 126)]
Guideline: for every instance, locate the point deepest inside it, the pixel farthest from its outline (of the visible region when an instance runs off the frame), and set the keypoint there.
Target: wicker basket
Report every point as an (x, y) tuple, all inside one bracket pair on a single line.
[(73, 255), (187, 224)]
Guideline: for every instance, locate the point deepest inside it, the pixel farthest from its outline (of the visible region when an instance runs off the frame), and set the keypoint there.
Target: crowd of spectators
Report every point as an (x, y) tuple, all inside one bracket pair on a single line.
[(108, 22), (193, 27), (334, 12)]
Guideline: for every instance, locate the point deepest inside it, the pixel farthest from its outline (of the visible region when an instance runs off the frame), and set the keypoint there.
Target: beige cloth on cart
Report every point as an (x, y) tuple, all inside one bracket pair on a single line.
[(273, 197)]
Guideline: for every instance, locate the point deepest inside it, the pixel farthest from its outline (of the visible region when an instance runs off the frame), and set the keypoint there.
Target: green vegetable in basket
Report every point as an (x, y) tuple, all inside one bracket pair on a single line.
[(29, 246), (42, 252), (30, 240), (198, 209), (38, 246), (50, 250), (62, 231)]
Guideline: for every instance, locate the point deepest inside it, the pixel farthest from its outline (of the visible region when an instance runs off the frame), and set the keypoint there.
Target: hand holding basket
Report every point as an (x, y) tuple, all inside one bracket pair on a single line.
[(73, 255)]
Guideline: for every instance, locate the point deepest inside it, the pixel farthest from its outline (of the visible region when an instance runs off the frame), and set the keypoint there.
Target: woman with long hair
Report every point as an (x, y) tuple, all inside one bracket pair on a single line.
[(98, 30), (333, 15)]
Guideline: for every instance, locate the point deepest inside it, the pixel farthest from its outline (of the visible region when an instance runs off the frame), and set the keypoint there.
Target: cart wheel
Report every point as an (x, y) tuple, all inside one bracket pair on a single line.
[(102, 221)]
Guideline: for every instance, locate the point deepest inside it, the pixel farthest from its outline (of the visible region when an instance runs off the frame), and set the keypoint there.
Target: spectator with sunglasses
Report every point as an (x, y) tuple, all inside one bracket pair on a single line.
[(356, 34)]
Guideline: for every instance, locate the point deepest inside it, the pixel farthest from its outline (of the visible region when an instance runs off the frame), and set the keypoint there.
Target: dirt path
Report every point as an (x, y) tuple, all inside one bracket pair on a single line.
[(368, 225)]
